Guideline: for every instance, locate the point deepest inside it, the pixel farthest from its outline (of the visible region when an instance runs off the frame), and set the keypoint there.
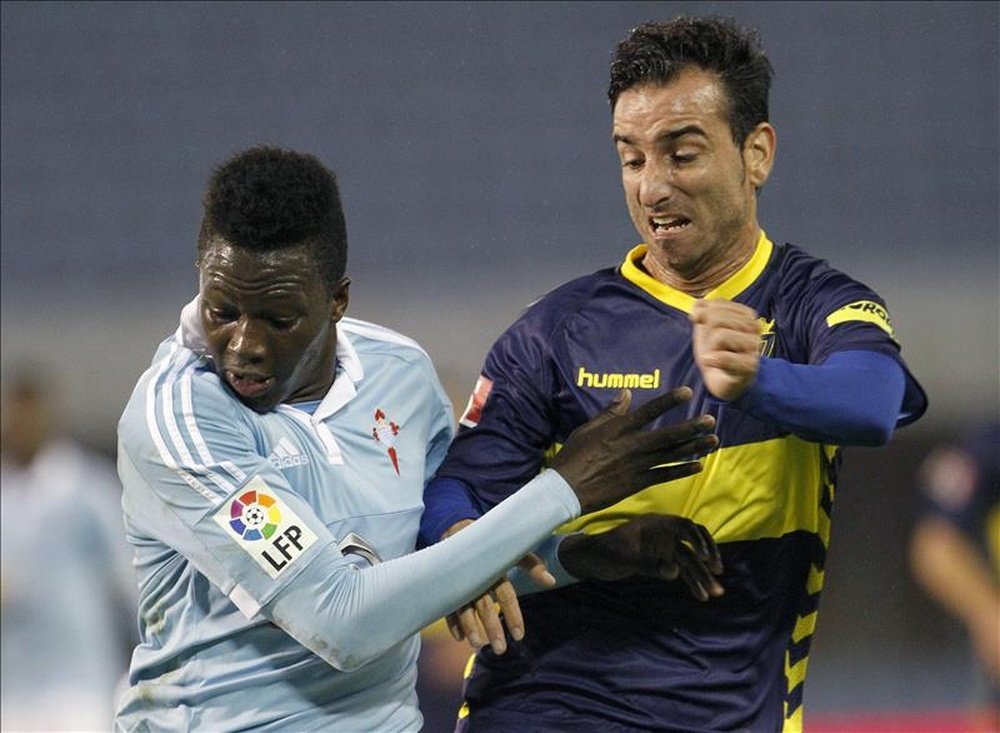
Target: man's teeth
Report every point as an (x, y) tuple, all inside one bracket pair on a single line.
[(668, 222)]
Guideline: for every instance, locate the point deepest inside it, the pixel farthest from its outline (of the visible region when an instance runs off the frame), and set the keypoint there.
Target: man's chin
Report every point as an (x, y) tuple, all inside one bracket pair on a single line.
[(260, 403)]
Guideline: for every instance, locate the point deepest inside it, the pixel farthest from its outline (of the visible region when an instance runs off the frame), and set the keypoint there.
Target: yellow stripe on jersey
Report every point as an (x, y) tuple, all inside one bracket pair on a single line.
[(733, 286), (793, 724), (736, 494), (867, 311)]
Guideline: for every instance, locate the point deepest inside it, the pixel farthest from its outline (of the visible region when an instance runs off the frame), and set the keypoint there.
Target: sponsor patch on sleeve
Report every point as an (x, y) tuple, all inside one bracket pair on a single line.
[(474, 410), (863, 310), (265, 527)]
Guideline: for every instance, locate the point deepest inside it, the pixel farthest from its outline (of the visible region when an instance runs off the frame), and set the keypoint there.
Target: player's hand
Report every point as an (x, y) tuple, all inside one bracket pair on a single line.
[(726, 345), (611, 456), (479, 622), (654, 546)]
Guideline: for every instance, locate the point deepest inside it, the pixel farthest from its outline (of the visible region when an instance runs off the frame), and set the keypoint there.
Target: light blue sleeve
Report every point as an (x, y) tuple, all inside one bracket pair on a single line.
[(364, 612), (548, 552)]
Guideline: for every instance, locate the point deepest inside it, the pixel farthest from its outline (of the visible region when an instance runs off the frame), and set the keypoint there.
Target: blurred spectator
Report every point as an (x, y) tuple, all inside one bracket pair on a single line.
[(67, 587), (955, 547)]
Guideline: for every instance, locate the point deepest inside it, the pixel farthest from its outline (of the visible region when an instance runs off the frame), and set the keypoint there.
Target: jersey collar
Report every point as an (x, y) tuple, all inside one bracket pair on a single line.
[(733, 285), (349, 373)]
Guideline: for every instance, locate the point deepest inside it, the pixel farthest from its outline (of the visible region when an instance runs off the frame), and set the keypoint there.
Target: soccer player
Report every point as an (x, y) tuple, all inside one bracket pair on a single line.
[(955, 546), (794, 358), (273, 459), (67, 588)]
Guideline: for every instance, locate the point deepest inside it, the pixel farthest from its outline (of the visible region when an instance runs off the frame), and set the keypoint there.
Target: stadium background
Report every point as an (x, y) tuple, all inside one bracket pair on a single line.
[(472, 145)]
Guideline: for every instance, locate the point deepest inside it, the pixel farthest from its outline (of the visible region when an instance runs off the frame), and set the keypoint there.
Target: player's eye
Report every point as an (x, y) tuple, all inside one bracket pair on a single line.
[(283, 324), (222, 315), (681, 158)]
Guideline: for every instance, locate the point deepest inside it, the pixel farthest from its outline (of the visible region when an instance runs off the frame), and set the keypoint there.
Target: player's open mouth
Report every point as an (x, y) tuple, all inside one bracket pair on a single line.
[(668, 224), (247, 385)]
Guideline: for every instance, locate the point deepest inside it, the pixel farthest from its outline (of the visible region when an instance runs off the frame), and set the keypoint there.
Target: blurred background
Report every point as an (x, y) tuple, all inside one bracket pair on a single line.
[(472, 145)]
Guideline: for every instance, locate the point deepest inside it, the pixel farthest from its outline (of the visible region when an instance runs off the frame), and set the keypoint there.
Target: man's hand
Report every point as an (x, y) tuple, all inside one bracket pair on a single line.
[(611, 456), (653, 545), (479, 621), (726, 345), (604, 460)]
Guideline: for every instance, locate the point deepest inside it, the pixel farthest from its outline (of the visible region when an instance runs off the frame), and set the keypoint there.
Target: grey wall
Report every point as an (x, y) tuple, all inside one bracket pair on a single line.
[(472, 145)]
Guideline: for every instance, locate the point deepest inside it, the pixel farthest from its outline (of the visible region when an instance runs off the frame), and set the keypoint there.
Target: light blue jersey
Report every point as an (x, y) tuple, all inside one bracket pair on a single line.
[(276, 586)]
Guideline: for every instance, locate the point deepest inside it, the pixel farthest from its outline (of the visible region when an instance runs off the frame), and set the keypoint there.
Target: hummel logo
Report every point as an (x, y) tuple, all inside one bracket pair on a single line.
[(286, 455)]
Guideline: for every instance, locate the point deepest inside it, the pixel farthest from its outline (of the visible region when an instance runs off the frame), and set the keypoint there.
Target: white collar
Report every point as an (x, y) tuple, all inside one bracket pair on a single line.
[(349, 370)]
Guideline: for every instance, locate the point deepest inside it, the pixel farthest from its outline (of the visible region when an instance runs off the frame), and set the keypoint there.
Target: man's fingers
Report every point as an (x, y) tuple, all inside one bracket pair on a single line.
[(507, 598), (648, 411), (454, 626), (712, 556), (663, 474), (535, 568), (472, 630), (486, 609), (697, 576)]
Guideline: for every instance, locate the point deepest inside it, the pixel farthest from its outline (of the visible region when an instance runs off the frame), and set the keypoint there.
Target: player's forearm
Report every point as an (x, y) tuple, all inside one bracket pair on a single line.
[(853, 398), (349, 616), (951, 571), (446, 501)]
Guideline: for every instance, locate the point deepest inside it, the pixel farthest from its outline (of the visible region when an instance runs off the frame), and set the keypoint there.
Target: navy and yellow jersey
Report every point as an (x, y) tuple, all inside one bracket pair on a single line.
[(645, 655)]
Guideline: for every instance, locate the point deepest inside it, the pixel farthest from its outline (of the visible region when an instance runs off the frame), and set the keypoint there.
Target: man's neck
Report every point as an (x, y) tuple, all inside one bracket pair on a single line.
[(702, 280)]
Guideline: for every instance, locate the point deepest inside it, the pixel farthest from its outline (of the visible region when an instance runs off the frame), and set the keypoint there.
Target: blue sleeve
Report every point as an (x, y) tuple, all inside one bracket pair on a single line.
[(446, 501), (852, 398)]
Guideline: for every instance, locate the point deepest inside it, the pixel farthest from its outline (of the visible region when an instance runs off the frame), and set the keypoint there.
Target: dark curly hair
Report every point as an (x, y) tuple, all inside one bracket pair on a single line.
[(267, 198), (657, 52)]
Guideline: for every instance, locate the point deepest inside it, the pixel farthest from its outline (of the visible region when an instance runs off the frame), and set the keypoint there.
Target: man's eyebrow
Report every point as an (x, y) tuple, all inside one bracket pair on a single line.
[(664, 136)]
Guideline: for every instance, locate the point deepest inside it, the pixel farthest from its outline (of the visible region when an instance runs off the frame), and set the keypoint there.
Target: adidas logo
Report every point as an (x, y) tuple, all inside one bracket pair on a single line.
[(286, 455)]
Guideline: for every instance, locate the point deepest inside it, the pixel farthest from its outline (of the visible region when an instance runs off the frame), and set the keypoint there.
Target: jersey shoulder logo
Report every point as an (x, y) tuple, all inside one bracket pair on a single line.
[(286, 455), (385, 431), (867, 311), (477, 401), (265, 527)]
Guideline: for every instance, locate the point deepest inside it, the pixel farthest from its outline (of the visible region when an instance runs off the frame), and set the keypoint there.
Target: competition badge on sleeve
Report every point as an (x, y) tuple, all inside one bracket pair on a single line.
[(474, 410), (385, 432), (269, 531)]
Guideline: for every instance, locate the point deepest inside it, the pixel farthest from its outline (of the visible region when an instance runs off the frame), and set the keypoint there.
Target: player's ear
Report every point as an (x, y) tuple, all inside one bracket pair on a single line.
[(340, 299), (758, 153)]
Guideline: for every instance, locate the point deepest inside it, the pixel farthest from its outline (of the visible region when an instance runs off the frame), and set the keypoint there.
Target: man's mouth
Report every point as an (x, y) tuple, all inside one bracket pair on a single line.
[(248, 385), (668, 224)]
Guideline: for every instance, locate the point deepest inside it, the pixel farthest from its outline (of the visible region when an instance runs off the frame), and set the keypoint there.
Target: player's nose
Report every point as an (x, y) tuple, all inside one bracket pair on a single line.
[(248, 341)]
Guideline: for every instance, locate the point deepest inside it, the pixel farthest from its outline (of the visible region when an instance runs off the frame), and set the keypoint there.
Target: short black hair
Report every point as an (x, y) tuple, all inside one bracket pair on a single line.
[(657, 52), (267, 198)]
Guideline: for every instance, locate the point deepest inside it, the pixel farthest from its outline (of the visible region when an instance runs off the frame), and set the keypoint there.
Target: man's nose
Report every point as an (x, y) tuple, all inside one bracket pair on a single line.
[(656, 184), (248, 343)]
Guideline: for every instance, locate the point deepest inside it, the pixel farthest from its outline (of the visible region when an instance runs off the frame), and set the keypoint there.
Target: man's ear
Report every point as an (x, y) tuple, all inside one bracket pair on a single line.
[(758, 153), (340, 299)]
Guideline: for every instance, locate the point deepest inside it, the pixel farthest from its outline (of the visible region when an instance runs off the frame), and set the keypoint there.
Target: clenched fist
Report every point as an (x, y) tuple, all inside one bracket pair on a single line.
[(726, 345)]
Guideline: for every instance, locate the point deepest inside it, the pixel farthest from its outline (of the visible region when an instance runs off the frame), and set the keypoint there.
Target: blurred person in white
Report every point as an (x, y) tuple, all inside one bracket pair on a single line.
[(67, 587)]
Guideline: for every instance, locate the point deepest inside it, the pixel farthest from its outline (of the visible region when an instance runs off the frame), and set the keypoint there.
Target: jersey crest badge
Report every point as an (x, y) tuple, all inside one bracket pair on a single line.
[(474, 410), (767, 334), (385, 432)]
